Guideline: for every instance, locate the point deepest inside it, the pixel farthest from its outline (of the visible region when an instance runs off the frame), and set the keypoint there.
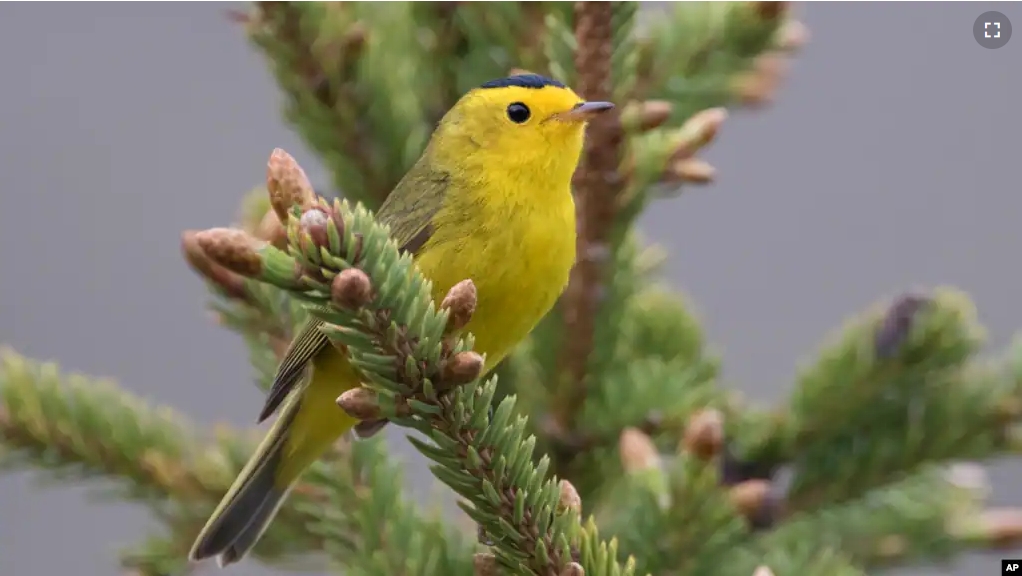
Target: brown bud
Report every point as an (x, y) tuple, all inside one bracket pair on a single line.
[(645, 116), (1002, 527), (704, 435), (287, 184), (752, 90), (770, 10), (314, 222), (485, 564), (369, 428), (518, 72), (233, 249), (271, 230), (749, 497), (792, 36), (763, 570), (360, 403), (460, 303), (573, 569), (691, 171), (355, 37), (772, 66), (351, 289), (232, 284), (637, 451), (462, 368), (698, 131), (569, 499)]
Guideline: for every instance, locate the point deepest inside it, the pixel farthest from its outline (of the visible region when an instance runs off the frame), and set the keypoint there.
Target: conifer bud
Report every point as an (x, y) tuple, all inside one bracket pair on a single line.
[(751, 89), (460, 303), (233, 249), (897, 324), (271, 230), (360, 403), (1001, 527), (573, 569), (314, 222), (369, 428), (569, 499), (749, 497), (763, 570), (485, 564), (698, 132), (645, 116), (462, 368), (704, 435), (770, 10), (287, 184), (637, 451), (792, 36), (351, 289), (692, 171)]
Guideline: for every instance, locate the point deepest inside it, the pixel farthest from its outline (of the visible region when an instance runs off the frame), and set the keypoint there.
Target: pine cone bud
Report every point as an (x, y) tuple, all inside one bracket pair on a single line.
[(645, 116), (485, 564), (692, 171), (749, 497), (698, 132), (637, 451), (763, 570), (271, 230), (314, 222), (355, 38), (569, 499), (770, 10), (460, 303), (573, 569), (351, 289), (360, 403), (704, 435), (752, 90), (462, 368), (897, 324), (1002, 527), (233, 249), (369, 428), (792, 36), (287, 184)]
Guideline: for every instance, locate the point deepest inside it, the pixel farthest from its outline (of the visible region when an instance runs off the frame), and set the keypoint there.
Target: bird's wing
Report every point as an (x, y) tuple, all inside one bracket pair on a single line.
[(409, 211), (306, 344), (410, 208)]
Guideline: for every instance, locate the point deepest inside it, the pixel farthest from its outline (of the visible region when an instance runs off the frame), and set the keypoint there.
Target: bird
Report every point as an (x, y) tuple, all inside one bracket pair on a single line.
[(489, 200)]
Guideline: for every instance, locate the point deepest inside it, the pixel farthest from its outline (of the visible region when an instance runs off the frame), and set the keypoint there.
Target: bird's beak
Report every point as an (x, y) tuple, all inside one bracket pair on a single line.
[(584, 111)]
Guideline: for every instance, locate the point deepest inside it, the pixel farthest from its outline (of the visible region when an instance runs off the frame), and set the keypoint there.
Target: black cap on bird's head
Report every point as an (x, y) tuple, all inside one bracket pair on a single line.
[(523, 81)]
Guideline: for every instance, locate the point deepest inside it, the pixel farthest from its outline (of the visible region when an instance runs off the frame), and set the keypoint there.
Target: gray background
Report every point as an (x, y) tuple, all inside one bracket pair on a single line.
[(889, 161)]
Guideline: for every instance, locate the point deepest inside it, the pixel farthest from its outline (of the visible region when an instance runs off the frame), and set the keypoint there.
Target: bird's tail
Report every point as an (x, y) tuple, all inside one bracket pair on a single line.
[(249, 505)]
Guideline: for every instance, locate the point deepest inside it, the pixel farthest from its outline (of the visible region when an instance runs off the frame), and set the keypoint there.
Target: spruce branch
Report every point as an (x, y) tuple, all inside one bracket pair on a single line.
[(903, 371), (77, 428), (422, 379), (62, 424), (597, 184)]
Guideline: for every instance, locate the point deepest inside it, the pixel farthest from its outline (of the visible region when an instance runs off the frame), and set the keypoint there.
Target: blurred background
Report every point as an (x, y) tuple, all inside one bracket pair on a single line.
[(890, 160)]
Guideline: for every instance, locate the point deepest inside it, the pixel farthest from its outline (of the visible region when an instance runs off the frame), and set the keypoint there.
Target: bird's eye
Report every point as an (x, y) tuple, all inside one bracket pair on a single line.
[(518, 112)]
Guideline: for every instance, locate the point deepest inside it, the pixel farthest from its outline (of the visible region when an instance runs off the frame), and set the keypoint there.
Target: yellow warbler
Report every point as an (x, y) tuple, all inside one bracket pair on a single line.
[(490, 200)]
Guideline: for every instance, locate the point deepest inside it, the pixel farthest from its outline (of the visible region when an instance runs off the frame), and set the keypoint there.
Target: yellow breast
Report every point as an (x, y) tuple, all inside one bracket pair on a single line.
[(517, 252)]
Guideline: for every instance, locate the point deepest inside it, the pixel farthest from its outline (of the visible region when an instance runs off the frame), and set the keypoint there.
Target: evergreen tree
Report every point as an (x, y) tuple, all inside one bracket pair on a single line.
[(605, 445)]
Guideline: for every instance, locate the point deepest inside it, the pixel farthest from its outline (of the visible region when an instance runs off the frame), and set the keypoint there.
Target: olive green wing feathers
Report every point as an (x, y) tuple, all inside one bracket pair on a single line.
[(409, 212), (304, 347)]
